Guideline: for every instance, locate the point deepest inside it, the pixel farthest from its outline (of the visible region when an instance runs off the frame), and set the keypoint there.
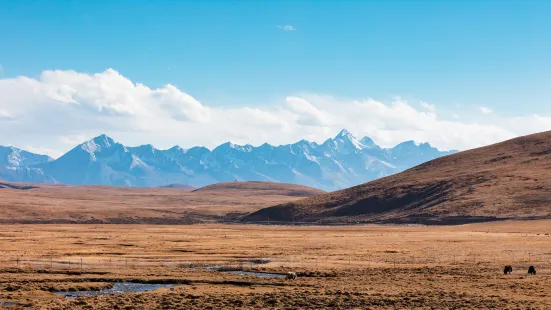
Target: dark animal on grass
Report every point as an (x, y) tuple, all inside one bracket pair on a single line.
[(291, 276), (508, 269), (532, 270)]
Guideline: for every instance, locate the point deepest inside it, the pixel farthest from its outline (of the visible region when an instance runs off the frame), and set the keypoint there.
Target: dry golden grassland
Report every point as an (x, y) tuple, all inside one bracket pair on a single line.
[(339, 267), (67, 204)]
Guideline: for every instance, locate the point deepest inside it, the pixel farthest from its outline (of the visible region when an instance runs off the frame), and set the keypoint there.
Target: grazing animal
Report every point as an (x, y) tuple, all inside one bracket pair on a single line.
[(508, 269), (291, 276), (532, 270)]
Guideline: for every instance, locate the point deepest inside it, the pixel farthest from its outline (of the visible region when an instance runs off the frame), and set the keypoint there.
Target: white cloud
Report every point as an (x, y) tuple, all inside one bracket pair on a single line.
[(306, 113), (427, 106), (73, 140), (524, 125), (5, 116), (41, 150), (287, 28), (63, 108), (486, 110)]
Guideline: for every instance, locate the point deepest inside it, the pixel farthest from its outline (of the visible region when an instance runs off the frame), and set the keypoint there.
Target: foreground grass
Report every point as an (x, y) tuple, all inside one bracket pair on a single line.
[(339, 267)]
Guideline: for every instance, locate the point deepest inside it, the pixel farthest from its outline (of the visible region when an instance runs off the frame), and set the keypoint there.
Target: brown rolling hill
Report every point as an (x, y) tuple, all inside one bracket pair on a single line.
[(262, 188), (507, 180), (44, 203)]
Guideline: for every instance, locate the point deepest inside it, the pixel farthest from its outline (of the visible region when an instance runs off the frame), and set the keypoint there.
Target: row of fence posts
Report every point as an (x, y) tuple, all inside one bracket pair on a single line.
[(299, 261)]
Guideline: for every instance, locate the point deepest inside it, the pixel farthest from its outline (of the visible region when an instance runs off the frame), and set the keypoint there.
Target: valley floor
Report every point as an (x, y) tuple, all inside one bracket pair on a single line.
[(391, 267)]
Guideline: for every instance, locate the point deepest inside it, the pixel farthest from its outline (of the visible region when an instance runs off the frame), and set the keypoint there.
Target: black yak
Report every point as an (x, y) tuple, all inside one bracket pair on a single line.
[(508, 269), (532, 270), (291, 276)]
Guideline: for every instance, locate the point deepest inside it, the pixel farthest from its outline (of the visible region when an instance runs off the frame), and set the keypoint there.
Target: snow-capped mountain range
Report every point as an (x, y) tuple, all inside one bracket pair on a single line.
[(337, 163)]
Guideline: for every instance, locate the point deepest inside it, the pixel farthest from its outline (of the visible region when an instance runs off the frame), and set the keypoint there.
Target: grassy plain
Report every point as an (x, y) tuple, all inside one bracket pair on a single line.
[(339, 267)]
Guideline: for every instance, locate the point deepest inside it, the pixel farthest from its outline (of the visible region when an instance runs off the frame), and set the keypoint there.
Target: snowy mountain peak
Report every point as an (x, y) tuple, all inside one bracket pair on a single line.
[(99, 144), (149, 148), (197, 149), (104, 140), (306, 142), (414, 144), (368, 142), (229, 145), (176, 148), (265, 146), (346, 143), (344, 133)]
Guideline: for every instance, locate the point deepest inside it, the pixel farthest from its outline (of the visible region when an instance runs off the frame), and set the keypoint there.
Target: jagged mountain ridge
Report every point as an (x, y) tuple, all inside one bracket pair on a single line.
[(17, 165), (337, 163), (15, 157)]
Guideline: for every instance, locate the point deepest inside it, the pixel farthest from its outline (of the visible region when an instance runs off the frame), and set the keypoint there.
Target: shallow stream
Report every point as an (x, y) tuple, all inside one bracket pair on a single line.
[(258, 274), (118, 288)]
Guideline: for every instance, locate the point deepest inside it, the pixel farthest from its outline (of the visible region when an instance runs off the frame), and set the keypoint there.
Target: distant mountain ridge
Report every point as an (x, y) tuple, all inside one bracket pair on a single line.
[(337, 163), (13, 156), (18, 165)]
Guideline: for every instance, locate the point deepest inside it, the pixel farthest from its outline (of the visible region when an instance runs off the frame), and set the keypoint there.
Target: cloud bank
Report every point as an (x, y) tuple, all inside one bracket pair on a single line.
[(60, 109)]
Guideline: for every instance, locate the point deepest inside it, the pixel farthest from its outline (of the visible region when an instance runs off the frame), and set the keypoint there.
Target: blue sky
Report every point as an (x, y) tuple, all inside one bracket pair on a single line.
[(456, 55)]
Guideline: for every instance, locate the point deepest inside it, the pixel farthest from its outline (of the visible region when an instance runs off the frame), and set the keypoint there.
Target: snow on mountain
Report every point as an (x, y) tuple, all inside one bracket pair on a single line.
[(16, 165), (367, 142), (14, 157), (149, 156), (346, 143), (339, 162), (100, 161)]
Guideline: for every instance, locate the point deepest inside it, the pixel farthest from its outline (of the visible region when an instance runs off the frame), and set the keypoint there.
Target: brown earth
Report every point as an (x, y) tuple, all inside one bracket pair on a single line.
[(507, 180), (43, 203), (261, 188), (350, 267)]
